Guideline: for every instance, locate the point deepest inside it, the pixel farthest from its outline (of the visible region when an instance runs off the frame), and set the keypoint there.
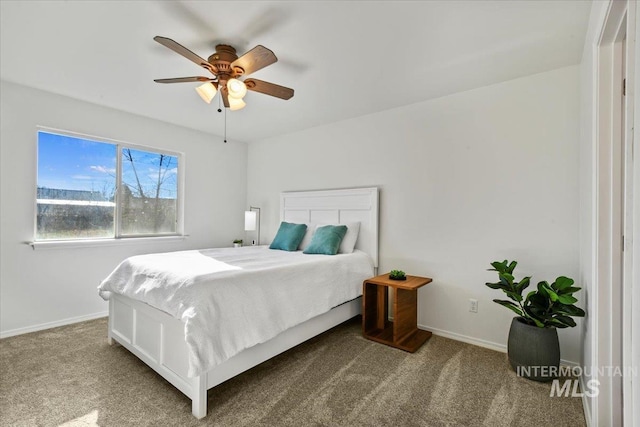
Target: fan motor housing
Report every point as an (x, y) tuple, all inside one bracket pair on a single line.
[(222, 59)]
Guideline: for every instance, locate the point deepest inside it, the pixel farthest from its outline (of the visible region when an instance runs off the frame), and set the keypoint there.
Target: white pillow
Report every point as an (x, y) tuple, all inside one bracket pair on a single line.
[(350, 238), (348, 243)]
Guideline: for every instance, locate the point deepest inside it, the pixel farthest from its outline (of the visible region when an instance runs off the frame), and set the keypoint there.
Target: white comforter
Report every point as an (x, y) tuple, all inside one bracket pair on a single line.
[(231, 299)]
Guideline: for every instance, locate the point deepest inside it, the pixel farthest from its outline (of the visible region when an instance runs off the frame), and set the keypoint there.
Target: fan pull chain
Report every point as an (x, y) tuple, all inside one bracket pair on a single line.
[(225, 116), (225, 125)]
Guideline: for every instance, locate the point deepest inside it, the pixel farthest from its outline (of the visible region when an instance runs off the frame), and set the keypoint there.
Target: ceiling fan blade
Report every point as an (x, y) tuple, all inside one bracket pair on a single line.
[(269, 88), (254, 60), (178, 48), (185, 80), (225, 98)]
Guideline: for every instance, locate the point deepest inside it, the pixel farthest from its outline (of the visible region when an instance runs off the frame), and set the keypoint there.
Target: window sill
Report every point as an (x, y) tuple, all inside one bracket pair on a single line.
[(89, 243)]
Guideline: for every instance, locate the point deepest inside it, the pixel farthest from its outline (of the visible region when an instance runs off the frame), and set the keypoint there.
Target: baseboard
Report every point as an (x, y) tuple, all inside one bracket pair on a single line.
[(465, 338), (586, 407), (49, 325), (479, 342)]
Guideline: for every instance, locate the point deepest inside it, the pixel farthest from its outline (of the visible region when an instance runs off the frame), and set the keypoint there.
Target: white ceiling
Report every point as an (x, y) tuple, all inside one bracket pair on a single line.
[(344, 59)]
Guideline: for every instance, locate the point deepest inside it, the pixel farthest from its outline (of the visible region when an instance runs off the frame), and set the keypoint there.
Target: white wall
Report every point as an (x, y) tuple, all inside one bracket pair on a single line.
[(482, 175), (46, 287)]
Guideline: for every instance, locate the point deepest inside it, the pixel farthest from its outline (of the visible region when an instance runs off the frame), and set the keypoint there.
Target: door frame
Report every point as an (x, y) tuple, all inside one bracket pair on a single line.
[(613, 211)]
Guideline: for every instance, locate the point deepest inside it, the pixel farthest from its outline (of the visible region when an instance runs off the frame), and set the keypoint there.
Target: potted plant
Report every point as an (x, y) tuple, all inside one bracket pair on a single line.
[(533, 346), (237, 243), (397, 275)]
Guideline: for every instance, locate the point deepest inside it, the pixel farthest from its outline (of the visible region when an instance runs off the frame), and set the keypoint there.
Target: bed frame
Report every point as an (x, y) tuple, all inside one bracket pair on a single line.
[(157, 338)]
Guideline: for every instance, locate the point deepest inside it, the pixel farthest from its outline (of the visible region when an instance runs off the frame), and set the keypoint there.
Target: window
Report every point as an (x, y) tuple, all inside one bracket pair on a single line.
[(90, 189)]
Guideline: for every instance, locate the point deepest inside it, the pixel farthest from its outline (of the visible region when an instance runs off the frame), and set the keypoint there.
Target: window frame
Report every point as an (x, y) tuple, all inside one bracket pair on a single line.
[(118, 236)]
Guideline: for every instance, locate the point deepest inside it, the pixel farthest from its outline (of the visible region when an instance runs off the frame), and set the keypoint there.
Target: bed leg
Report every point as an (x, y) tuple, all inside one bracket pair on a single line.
[(199, 401), (110, 339)]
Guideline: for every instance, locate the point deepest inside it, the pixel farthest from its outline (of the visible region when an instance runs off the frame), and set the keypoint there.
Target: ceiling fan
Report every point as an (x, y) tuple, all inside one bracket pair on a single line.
[(227, 67)]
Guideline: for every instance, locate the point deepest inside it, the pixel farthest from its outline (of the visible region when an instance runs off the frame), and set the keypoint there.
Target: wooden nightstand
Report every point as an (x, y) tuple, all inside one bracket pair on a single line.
[(403, 332)]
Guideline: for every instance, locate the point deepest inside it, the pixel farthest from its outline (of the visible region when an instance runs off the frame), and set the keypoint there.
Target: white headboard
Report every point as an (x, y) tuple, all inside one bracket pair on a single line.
[(337, 207)]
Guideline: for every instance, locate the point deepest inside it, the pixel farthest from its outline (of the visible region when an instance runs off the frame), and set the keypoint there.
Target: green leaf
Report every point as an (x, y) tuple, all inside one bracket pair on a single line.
[(566, 299), (542, 291), (514, 296), (499, 266), (570, 310), (565, 321), (539, 299), (562, 282), (530, 295), (544, 288), (506, 279), (495, 285), (556, 323), (538, 323), (510, 305), (524, 284), (569, 290), (537, 314), (512, 266)]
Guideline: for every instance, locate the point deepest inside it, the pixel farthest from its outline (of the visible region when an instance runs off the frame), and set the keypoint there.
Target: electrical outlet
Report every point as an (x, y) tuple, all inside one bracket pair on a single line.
[(473, 305)]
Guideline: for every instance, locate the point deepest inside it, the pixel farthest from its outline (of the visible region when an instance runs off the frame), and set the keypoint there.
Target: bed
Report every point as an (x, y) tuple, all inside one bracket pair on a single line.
[(163, 337)]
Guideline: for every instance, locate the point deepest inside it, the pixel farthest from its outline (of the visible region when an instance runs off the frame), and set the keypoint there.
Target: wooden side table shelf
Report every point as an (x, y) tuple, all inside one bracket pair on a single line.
[(403, 332)]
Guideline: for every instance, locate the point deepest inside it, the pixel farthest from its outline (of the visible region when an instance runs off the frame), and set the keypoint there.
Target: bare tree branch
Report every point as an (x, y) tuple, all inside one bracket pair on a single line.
[(127, 154)]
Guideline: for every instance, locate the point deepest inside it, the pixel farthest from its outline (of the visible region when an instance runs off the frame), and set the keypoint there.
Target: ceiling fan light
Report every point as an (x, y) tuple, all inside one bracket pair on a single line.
[(207, 91), (236, 88), (236, 104)]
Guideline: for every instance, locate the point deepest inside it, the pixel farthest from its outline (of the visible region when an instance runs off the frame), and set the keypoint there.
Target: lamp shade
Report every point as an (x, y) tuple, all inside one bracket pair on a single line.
[(250, 220), (207, 91), (236, 88), (236, 103)]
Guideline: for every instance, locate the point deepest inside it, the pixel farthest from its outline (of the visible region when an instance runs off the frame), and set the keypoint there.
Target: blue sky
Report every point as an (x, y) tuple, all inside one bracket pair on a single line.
[(75, 164), (72, 163)]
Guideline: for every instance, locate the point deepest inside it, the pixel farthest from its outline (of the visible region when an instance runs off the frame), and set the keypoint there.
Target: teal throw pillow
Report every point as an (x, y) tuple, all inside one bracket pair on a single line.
[(288, 236), (326, 240)]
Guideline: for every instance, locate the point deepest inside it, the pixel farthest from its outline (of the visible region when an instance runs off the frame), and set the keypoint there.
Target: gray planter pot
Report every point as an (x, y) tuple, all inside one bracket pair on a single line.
[(534, 353)]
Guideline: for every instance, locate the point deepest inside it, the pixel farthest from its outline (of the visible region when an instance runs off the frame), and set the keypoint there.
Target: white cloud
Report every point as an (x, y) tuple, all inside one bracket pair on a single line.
[(103, 169), (153, 174)]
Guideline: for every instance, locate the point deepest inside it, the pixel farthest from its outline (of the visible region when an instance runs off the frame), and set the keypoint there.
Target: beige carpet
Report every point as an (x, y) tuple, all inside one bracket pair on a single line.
[(70, 376)]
